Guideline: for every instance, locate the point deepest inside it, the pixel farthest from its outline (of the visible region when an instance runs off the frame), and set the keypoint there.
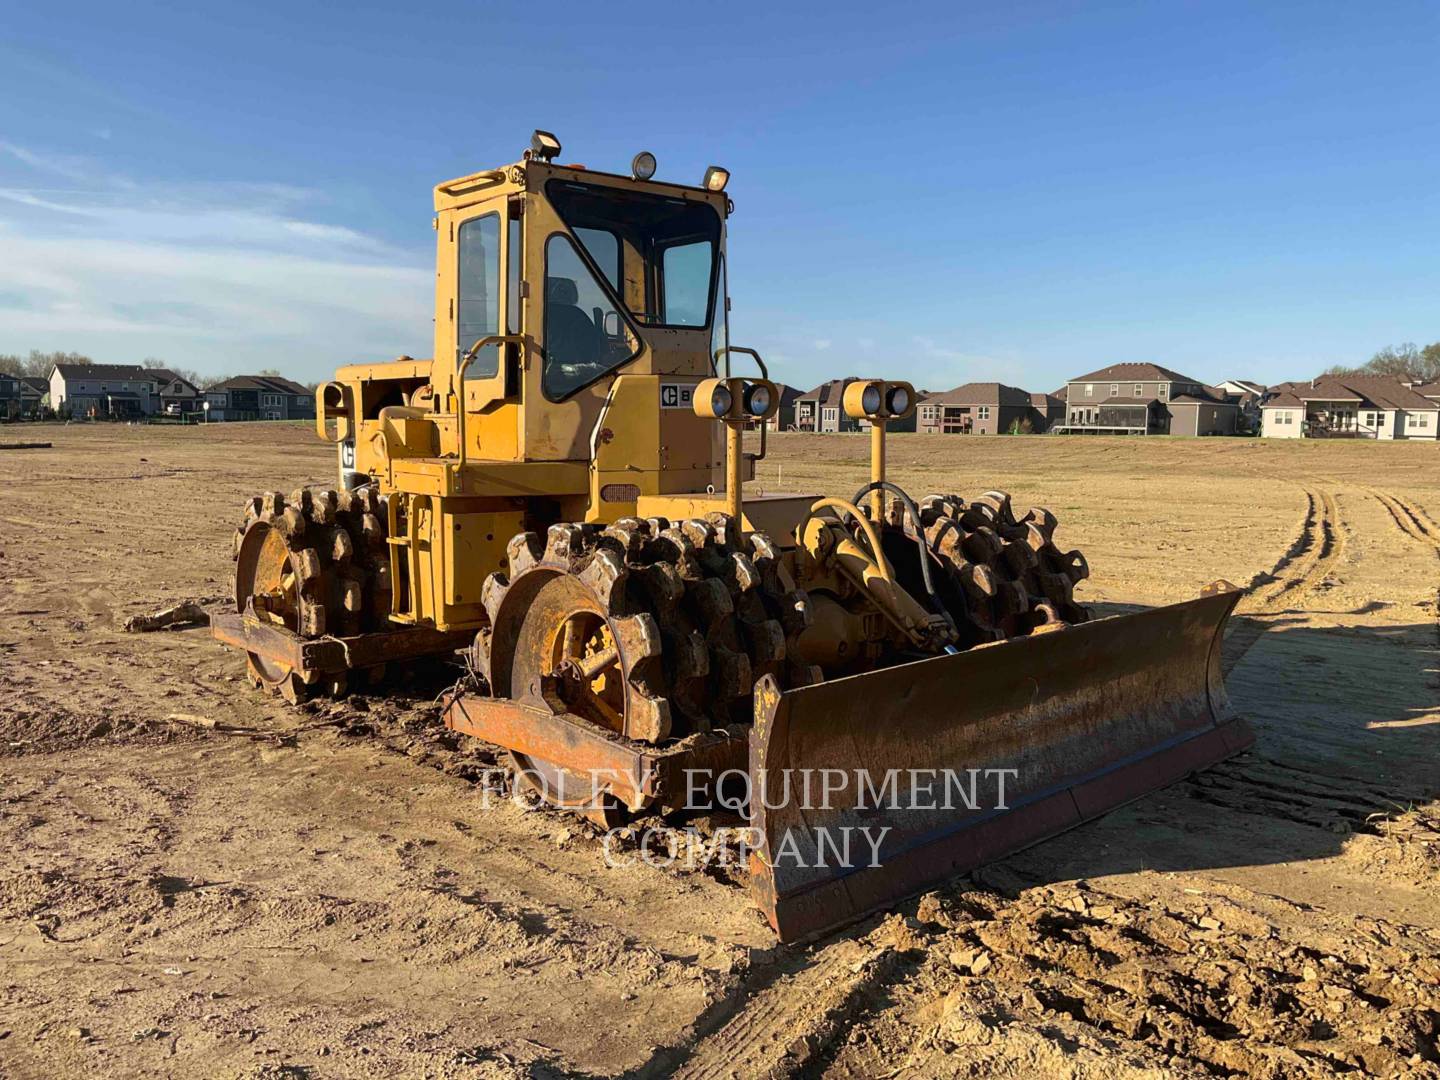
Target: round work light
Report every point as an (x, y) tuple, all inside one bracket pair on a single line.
[(642, 165)]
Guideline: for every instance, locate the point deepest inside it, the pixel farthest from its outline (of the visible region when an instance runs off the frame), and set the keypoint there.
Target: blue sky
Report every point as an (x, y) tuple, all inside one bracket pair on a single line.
[(954, 191)]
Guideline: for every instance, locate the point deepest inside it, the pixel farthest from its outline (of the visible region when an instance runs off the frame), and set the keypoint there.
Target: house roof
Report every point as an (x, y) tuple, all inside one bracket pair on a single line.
[(1121, 399), (273, 384), (828, 394), (1130, 372), (788, 394), (981, 393), (1251, 387), (36, 383), (113, 371), (1203, 399), (1367, 391), (1046, 401), (1208, 395), (1062, 394), (1429, 390)]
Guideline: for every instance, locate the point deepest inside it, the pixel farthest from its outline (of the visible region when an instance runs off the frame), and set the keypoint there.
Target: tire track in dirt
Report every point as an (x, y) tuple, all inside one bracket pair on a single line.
[(784, 1027), (1304, 566), (1310, 559), (1410, 519)]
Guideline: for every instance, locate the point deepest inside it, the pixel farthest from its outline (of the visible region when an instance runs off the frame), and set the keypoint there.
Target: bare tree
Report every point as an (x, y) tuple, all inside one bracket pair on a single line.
[(1407, 361)]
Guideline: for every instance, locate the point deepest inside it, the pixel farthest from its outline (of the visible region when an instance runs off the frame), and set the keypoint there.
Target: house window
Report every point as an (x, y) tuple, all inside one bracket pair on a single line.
[(831, 414), (1089, 389), (927, 412), (983, 412), (1139, 389), (1114, 389), (1164, 391)]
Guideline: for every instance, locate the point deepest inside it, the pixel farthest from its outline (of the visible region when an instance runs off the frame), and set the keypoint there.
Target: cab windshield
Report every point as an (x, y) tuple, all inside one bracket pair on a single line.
[(657, 253)]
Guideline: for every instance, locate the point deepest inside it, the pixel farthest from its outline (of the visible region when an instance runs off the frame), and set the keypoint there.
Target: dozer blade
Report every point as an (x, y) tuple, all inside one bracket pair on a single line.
[(870, 788)]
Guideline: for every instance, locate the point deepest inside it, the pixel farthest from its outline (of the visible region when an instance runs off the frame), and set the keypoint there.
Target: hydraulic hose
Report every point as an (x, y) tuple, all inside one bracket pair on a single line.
[(910, 508)]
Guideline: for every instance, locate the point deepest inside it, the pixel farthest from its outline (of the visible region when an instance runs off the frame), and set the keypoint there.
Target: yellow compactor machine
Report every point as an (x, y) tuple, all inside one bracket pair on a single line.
[(557, 497)]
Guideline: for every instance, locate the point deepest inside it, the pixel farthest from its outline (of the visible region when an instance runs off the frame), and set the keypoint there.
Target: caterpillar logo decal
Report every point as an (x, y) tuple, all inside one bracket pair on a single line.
[(677, 395)]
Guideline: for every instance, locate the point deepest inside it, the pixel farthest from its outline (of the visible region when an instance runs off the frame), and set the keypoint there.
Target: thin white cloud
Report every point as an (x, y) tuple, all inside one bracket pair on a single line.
[(216, 277), (70, 166), (935, 364)]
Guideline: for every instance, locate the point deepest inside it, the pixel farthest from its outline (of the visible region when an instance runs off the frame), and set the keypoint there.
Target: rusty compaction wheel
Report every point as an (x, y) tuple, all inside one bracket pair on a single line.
[(313, 564), (646, 629), (1006, 574)]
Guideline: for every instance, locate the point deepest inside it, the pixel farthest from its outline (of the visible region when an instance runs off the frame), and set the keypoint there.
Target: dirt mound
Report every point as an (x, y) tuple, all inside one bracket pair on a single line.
[(1404, 848), (1078, 982)]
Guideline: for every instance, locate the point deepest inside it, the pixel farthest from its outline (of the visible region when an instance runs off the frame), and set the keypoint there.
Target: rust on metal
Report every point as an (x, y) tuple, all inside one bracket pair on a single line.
[(326, 654), (1075, 723), (639, 776)]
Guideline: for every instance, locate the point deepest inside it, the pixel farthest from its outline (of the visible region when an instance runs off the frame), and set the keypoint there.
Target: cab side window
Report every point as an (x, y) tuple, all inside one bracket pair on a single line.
[(477, 306)]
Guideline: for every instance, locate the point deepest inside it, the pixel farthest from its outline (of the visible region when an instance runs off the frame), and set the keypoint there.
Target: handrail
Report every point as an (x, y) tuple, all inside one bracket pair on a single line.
[(465, 361), (726, 350), (462, 184)]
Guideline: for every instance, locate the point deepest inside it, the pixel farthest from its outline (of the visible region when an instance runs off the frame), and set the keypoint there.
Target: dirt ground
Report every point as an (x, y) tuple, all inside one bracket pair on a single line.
[(197, 881)]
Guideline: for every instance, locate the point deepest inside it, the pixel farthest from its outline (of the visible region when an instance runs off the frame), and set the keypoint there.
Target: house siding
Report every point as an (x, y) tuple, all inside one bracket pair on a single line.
[(974, 419), (1282, 423), (1197, 419)]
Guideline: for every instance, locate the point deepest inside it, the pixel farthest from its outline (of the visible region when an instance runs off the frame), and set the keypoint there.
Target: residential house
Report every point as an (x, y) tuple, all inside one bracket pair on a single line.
[(180, 397), (823, 409), (21, 396), (9, 396), (34, 395), (259, 397), (984, 408), (1146, 399), (1350, 407), (784, 418), (1049, 409), (110, 391)]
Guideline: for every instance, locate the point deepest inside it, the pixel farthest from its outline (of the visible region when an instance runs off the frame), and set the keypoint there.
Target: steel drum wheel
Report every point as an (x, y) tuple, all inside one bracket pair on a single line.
[(643, 628), (267, 580), (314, 563)]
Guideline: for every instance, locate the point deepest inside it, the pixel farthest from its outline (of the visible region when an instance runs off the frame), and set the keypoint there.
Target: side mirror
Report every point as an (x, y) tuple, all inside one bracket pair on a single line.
[(334, 412), (612, 324)]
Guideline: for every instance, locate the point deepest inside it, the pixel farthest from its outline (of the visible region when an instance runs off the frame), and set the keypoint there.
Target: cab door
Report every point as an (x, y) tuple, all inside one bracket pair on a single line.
[(478, 265)]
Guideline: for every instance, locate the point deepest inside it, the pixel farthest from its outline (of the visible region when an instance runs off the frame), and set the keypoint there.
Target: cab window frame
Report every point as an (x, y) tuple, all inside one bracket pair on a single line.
[(653, 279), (661, 300)]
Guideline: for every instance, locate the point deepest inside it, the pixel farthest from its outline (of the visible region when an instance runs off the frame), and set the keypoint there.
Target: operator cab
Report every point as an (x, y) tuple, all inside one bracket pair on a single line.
[(580, 275)]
